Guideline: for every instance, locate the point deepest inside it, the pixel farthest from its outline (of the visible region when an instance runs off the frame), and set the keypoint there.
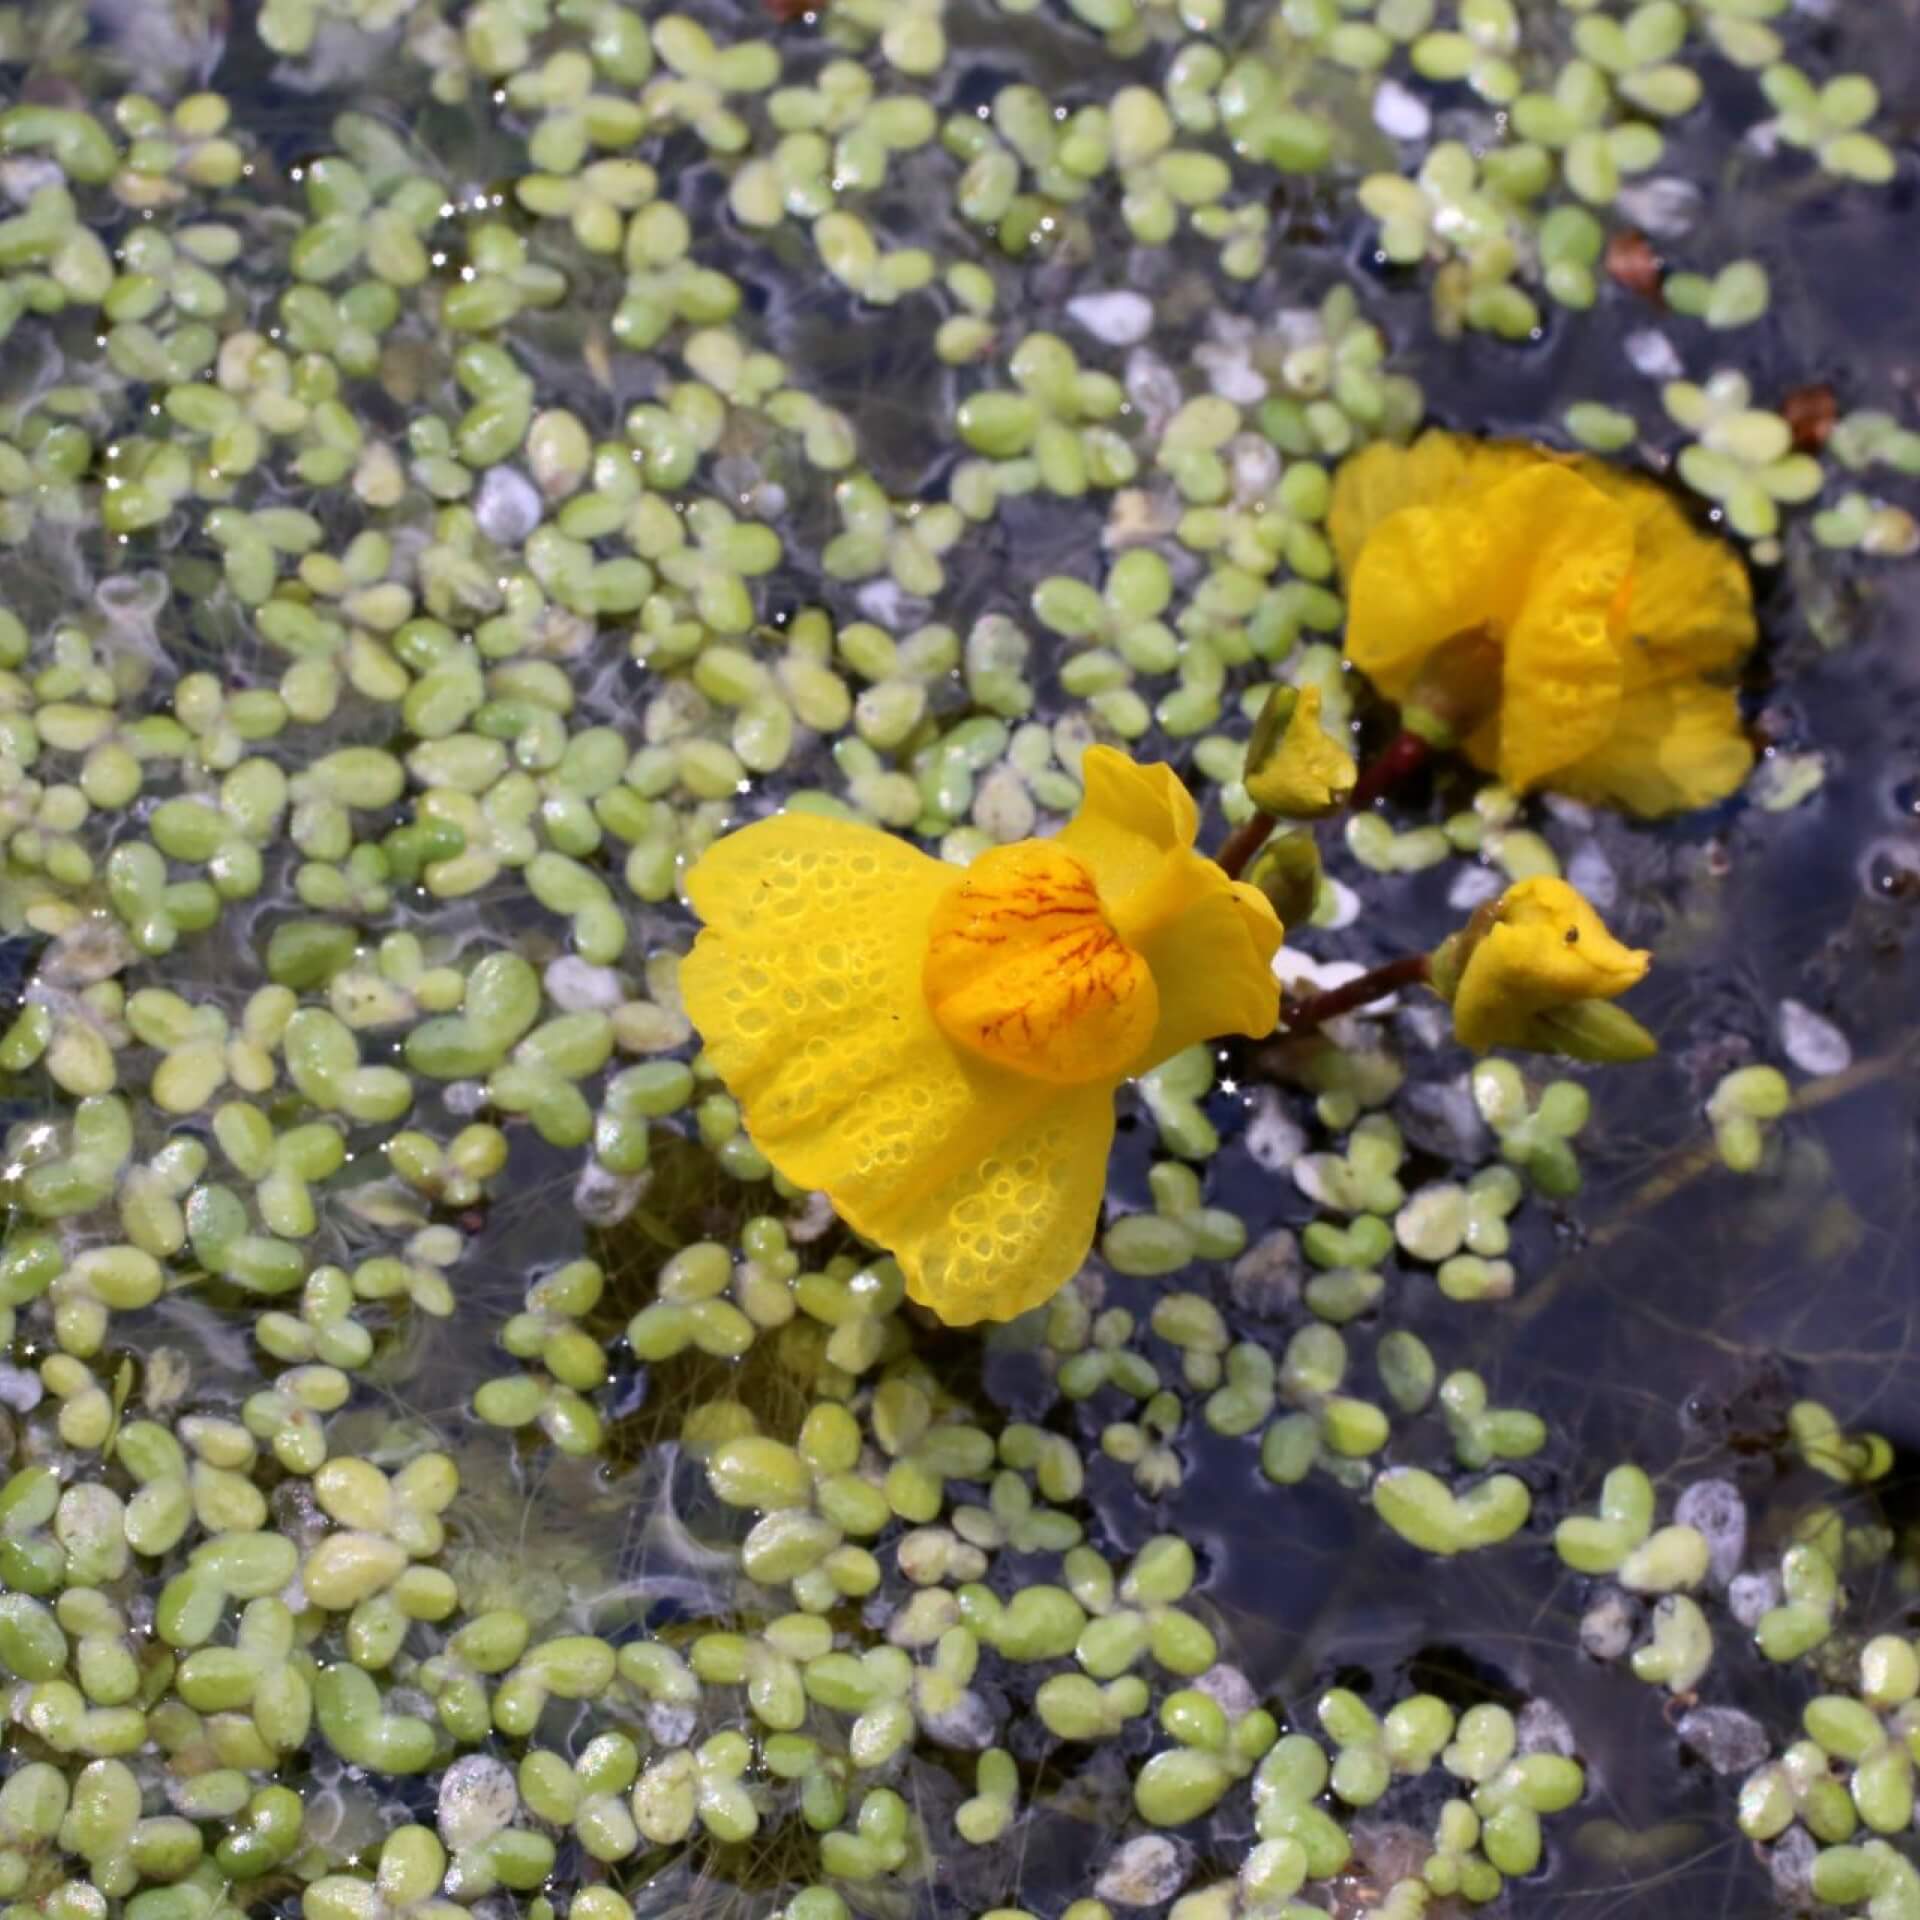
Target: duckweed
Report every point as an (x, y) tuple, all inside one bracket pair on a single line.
[(412, 577)]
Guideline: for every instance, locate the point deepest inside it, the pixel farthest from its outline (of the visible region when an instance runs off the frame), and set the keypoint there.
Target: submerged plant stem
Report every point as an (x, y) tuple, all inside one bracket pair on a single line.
[(1690, 1163)]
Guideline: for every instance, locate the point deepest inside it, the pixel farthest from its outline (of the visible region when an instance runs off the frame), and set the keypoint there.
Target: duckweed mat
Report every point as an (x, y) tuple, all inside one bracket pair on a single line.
[(458, 461)]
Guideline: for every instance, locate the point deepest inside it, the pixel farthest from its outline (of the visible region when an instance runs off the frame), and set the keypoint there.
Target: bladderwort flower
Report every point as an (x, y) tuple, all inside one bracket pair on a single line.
[(938, 1051), (1561, 621)]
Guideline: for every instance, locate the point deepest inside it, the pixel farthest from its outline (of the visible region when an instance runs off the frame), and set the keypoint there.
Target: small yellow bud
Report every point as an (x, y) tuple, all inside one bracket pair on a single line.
[(1296, 770), (1528, 969)]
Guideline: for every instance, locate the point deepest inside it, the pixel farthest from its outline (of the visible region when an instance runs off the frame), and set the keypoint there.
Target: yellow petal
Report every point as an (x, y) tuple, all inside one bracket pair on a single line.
[(1213, 965), (1129, 817), (806, 986), (1012, 1229), (1567, 560), (1672, 748), (1546, 947), (1562, 945), (1209, 941), (1692, 602), (1424, 578), (1024, 969), (1539, 560), (1599, 690), (1436, 469)]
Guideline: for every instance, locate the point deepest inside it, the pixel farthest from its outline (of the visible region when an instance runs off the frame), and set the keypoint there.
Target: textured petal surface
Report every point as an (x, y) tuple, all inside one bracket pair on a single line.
[(980, 1166), (806, 987), (1566, 564), (1673, 747), (1436, 469), (1542, 561), (1601, 662), (1426, 575), (1209, 941), (1012, 1229), (1692, 603)]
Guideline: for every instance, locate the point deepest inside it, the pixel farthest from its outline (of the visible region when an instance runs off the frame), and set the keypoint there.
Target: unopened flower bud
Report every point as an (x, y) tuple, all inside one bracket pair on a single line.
[(1532, 970), (1295, 768)]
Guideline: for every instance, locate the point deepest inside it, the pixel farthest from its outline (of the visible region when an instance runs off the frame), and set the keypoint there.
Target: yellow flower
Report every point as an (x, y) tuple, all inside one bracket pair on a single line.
[(1296, 769), (1567, 613), (1538, 953), (938, 1050)]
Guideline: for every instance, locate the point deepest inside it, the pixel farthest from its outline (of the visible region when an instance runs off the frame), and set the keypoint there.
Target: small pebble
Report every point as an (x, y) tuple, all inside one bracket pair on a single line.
[(1790, 1862), (1606, 1628), (1715, 1510), (816, 1216), (1233, 376), (1664, 207), (886, 604), (1344, 909), (577, 986), (1813, 1043), (1144, 1872), (1471, 885), (1119, 319), (1749, 1595), (672, 1724), (1442, 1117), (1651, 353), (1154, 387), (1400, 113), (507, 506), (1591, 872), (477, 1798), (20, 1389), (1543, 1728), (604, 1199), (1230, 1689), (1728, 1740), (967, 1726), (1266, 1278), (1275, 1140), (1575, 815)]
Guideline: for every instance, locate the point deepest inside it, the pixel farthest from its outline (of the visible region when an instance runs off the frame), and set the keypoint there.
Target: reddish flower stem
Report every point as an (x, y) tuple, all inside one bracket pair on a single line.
[(1402, 757), (1243, 843), (1410, 970)]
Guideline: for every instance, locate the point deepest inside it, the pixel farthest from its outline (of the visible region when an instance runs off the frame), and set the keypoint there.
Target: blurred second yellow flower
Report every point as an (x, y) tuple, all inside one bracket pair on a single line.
[(938, 1050), (1564, 621)]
